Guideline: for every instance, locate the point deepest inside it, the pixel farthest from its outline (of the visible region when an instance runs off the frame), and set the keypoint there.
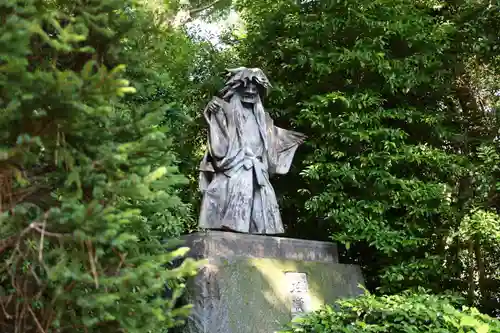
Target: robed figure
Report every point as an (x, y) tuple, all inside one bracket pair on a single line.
[(244, 150)]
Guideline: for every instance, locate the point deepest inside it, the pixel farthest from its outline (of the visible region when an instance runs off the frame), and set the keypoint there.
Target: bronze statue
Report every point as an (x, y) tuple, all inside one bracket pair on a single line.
[(244, 149)]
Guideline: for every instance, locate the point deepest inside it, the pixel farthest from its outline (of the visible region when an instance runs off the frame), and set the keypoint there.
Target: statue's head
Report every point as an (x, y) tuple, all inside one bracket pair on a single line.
[(248, 83)]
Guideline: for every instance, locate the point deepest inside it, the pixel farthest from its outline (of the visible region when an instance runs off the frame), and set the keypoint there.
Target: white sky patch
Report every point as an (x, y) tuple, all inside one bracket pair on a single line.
[(211, 31)]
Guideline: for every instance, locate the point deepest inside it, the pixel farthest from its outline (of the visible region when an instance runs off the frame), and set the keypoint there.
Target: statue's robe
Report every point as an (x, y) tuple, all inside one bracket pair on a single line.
[(244, 148)]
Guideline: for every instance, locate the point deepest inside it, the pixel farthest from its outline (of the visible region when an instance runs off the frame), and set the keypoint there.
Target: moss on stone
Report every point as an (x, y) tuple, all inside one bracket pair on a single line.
[(252, 294)]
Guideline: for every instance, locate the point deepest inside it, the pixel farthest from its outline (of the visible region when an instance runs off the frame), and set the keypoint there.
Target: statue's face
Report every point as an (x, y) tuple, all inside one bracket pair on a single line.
[(249, 93)]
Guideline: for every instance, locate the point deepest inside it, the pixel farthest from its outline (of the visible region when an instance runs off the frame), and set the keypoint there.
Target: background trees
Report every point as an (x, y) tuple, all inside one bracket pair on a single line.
[(395, 100)]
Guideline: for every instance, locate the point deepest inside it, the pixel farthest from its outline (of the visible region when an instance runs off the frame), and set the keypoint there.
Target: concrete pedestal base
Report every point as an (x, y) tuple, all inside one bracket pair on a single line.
[(244, 287)]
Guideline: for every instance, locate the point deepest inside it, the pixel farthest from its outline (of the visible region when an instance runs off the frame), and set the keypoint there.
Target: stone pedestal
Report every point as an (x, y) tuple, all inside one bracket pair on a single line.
[(255, 284)]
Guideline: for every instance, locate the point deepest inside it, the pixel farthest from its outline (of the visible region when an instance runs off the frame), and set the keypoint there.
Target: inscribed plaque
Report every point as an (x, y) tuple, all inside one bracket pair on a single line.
[(299, 293)]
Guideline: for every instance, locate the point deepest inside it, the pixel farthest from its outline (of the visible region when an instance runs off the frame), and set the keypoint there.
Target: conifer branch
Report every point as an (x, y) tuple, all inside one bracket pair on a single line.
[(92, 262)]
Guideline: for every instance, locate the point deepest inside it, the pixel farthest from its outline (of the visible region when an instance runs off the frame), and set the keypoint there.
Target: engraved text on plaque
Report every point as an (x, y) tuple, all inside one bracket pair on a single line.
[(299, 293)]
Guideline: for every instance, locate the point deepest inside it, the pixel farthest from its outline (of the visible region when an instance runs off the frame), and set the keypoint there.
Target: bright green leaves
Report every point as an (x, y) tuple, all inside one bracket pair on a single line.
[(399, 100), (405, 313), (367, 81), (481, 225), (89, 184), (363, 160)]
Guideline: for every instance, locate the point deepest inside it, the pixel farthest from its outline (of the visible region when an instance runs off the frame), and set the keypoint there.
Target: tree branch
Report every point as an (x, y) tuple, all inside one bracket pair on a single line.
[(36, 226), (195, 11), (38, 325)]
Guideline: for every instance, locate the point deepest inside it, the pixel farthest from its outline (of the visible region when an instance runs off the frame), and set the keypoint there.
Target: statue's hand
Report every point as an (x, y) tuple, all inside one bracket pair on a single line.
[(213, 106)]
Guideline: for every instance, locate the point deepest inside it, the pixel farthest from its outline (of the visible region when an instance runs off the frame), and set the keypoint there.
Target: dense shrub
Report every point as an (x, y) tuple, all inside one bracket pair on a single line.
[(402, 313)]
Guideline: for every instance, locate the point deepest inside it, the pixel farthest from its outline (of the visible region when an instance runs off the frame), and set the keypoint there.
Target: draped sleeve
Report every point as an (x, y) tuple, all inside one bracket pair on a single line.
[(218, 136), (223, 152), (282, 148), (217, 143)]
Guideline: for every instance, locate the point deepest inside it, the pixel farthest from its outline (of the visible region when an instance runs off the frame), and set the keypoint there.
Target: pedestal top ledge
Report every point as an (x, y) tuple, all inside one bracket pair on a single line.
[(209, 244)]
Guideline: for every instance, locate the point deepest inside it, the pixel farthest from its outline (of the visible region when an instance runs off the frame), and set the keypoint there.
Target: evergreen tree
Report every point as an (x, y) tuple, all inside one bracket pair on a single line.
[(88, 183)]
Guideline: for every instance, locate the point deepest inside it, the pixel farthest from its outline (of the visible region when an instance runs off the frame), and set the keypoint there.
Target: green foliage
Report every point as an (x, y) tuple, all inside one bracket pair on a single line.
[(174, 73), (179, 13), (398, 101), (406, 312), (89, 182), (362, 69)]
